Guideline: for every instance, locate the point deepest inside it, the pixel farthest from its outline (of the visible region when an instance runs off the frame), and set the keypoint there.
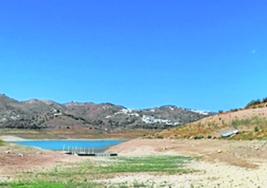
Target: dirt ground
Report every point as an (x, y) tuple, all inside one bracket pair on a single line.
[(248, 154), (220, 163), (15, 161), (217, 163)]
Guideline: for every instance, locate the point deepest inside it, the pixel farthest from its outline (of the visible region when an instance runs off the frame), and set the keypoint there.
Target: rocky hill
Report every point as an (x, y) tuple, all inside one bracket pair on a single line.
[(38, 114), (251, 122)]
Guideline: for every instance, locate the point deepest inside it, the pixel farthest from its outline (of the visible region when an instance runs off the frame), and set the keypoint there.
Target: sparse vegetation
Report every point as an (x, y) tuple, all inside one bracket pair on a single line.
[(253, 103), (91, 118), (256, 129), (264, 100), (44, 184), (252, 122), (1, 142), (162, 164), (213, 127), (259, 103), (235, 109), (198, 137), (83, 174)]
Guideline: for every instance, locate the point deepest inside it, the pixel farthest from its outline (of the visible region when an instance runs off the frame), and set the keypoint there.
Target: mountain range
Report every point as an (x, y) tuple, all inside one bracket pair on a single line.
[(105, 117)]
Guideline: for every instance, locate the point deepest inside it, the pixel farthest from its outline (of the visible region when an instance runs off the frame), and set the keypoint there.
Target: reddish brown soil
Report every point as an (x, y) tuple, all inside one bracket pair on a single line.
[(15, 160)]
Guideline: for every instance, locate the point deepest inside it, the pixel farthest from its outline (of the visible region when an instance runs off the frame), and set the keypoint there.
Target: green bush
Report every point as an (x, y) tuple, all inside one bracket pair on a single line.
[(198, 137), (253, 102), (256, 129), (264, 100)]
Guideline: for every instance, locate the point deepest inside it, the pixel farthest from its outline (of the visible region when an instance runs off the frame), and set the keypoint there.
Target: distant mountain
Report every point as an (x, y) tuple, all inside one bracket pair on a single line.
[(106, 117)]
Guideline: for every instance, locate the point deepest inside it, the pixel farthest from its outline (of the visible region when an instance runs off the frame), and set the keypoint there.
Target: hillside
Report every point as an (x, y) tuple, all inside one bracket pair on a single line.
[(251, 122), (49, 115), (257, 104)]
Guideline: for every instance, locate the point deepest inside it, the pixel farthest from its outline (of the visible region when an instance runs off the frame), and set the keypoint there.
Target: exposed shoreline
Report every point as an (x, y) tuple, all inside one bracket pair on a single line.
[(9, 138)]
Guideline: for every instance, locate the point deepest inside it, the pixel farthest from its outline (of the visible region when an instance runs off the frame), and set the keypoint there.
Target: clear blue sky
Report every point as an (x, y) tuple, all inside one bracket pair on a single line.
[(141, 53)]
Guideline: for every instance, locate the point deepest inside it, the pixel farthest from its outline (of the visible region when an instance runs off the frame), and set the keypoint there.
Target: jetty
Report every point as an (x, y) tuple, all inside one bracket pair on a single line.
[(86, 152)]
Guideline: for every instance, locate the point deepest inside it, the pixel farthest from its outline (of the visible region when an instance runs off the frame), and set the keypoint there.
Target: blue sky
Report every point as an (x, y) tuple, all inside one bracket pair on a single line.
[(205, 54)]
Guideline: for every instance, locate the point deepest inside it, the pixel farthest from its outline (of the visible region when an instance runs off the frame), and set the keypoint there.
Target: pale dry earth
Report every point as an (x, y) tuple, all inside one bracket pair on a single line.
[(10, 138), (208, 175), (220, 163), (216, 163)]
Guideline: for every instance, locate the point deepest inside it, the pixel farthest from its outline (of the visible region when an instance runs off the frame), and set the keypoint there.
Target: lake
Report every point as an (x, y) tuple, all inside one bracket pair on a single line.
[(59, 145)]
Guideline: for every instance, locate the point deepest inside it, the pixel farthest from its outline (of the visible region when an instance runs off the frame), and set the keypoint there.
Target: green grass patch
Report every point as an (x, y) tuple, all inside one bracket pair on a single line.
[(2, 143), (43, 184), (112, 166), (83, 174), (158, 164)]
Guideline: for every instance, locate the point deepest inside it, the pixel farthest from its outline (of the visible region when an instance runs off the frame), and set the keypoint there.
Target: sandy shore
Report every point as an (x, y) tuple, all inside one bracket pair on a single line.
[(9, 138)]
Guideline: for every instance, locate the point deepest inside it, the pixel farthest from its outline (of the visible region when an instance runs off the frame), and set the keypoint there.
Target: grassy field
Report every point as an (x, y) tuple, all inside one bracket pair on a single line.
[(82, 175)]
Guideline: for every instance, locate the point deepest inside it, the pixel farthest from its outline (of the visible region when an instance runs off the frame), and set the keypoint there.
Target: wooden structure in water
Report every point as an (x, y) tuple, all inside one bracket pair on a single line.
[(86, 152)]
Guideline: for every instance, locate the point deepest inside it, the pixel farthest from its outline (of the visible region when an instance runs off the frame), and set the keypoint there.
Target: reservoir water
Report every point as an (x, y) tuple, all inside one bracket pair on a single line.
[(59, 145)]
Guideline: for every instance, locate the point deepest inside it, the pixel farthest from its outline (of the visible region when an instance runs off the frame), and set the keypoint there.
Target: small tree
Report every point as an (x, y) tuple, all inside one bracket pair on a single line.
[(253, 102), (220, 111), (264, 100)]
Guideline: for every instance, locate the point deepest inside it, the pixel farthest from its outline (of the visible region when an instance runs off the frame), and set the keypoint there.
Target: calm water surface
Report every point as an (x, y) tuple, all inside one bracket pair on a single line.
[(58, 145)]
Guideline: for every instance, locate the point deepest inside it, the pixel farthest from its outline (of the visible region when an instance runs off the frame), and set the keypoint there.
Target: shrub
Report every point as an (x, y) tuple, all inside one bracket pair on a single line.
[(159, 136), (234, 110), (253, 102), (264, 100), (198, 137), (256, 129)]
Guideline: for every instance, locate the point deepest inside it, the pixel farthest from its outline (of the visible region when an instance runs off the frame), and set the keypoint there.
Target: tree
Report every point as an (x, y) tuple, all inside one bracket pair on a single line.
[(264, 100), (253, 102)]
